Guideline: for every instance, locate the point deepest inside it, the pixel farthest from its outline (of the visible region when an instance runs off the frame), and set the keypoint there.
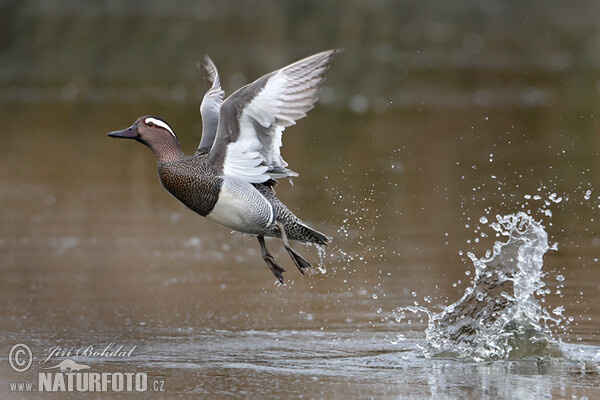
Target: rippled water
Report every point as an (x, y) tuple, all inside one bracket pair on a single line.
[(434, 121)]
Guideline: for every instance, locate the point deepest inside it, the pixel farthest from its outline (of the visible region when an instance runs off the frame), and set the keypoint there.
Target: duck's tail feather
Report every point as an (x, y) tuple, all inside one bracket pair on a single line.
[(303, 233)]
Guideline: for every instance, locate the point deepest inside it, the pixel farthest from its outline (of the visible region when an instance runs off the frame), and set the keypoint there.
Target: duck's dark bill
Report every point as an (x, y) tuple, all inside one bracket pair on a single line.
[(129, 133)]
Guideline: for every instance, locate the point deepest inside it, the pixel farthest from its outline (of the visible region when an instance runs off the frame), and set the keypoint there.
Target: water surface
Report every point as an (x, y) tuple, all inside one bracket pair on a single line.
[(431, 119)]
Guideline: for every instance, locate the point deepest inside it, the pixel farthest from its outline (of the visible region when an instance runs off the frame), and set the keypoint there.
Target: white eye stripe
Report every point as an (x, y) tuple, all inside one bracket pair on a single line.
[(160, 123)]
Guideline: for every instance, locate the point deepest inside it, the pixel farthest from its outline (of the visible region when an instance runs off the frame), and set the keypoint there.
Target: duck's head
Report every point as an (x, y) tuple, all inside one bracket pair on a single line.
[(154, 133)]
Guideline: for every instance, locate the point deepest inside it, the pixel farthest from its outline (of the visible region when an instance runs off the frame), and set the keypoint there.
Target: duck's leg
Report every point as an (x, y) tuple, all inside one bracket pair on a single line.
[(300, 262), (275, 268)]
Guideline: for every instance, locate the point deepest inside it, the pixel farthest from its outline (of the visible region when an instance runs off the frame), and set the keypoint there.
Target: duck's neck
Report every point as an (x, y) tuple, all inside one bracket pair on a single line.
[(167, 151)]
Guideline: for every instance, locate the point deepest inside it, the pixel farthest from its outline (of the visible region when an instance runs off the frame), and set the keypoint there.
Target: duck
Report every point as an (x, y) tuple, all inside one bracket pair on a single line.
[(231, 178)]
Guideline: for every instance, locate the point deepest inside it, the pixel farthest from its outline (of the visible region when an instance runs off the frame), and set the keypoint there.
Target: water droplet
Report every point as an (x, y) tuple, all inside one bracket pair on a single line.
[(558, 310)]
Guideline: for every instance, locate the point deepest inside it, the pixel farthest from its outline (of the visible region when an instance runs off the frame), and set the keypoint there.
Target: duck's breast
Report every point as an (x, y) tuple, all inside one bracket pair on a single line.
[(192, 182)]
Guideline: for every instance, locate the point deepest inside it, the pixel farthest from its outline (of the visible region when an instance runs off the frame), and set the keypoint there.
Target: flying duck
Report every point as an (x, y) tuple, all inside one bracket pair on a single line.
[(230, 179)]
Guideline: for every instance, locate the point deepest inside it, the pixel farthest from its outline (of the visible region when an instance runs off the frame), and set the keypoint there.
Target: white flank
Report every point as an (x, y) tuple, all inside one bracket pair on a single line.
[(242, 208), (232, 212), (160, 123)]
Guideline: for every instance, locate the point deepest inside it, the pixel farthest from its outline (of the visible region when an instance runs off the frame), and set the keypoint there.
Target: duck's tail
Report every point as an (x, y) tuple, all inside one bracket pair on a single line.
[(295, 228), (305, 234)]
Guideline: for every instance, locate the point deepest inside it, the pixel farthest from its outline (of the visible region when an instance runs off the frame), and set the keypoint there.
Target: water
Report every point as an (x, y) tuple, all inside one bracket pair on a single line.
[(499, 316), (434, 120)]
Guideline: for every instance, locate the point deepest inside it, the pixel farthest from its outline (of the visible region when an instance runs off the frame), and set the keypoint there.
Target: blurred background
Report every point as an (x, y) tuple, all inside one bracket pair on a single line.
[(436, 117)]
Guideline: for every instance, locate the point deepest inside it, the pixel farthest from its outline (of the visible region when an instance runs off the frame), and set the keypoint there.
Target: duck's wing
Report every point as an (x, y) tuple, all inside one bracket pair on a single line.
[(253, 118), (211, 104)]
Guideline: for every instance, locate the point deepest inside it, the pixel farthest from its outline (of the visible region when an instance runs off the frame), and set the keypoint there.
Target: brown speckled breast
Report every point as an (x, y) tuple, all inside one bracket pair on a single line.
[(193, 181)]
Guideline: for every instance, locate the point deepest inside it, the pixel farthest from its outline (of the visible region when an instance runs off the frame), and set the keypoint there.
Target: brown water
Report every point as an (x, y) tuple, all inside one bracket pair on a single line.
[(433, 117)]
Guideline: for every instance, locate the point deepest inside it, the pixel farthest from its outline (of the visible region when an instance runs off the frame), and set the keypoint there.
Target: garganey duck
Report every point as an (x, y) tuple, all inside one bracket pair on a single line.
[(230, 179)]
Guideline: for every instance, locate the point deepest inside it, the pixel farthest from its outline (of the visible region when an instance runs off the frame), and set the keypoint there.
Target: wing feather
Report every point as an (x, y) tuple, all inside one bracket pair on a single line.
[(252, 119), (211, 104)]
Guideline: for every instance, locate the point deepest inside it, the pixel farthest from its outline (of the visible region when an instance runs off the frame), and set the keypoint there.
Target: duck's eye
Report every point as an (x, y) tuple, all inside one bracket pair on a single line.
[(150, 123)]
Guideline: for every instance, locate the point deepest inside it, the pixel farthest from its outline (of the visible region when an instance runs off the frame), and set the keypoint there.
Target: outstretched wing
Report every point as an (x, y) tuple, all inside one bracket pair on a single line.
[(211, 104), (253, 118)]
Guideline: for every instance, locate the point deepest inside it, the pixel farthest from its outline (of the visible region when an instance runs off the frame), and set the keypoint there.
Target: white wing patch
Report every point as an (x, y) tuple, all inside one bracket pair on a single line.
[(160, 123), (287, 96), (268, 110), (243, 160)]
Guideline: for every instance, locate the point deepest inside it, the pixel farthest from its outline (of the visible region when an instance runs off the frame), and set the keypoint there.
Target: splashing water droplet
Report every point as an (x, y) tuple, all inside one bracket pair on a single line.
[(558, 310), (399, 337), (498, 316), (321, 253)]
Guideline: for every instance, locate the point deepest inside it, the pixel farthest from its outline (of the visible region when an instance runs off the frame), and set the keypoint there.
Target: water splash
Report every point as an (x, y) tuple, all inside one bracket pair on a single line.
[(322, 252), (499, 316)]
